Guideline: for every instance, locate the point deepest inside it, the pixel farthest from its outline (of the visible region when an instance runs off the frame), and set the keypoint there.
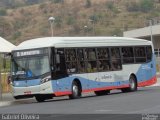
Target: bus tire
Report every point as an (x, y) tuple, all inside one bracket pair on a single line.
[(132, 85), (103, 92), (40, 98), (76, 91)]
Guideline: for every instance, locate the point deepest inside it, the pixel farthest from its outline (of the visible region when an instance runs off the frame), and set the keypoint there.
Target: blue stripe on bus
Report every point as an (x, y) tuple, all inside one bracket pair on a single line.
[(24, 83), (65, 83), (145, 72)]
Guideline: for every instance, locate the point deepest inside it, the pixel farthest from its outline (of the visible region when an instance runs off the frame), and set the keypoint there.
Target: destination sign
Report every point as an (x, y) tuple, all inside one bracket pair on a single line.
[(30, 52)]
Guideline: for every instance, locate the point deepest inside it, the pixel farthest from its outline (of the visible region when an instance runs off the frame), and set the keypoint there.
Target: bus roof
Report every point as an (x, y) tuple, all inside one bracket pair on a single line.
[(61, 42)]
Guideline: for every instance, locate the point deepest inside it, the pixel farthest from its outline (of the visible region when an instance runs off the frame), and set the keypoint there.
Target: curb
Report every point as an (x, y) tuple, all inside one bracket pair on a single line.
[(157, 84), (5, 103)]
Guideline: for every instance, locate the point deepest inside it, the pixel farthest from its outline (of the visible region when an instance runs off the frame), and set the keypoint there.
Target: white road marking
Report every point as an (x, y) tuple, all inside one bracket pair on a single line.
[(103, 111)]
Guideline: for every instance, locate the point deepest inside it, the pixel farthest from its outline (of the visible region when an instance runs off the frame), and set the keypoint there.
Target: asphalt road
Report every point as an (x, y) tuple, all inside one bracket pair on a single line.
[(145, 100), (115, 106)]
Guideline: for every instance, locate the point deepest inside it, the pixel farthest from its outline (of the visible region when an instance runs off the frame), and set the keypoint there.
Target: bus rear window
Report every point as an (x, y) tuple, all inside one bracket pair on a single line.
[(149, 53)]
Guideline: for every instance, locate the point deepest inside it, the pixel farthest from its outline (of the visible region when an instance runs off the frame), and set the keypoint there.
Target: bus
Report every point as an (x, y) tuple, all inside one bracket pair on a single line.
[(70, 66)]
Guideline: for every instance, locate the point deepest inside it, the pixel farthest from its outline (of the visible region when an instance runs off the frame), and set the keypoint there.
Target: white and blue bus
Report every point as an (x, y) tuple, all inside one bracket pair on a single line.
[(56, 66)]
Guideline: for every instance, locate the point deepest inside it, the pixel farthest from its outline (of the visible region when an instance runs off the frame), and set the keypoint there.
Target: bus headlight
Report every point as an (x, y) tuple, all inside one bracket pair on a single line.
[(46, 79)]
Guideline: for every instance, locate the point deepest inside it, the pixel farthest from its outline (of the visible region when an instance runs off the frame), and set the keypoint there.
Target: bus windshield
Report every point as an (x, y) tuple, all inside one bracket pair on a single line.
[(32, 67)]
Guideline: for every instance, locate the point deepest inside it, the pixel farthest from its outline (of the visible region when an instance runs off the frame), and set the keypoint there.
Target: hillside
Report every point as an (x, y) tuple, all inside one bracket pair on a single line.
[(102, 18)]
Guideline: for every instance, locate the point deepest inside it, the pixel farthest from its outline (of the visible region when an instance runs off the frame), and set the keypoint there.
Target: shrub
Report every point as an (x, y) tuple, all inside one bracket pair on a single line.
[(94, 18), (58, 21), (3, 12), (132, 7), (42, 6), (57, 1), (31, 2), (88, 4), (16, 35), (146, 5), (116, 32), (70, 20), (110, 5)]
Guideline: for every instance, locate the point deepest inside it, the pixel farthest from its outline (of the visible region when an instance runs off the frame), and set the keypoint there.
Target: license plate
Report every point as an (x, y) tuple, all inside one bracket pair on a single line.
[(27, 92)]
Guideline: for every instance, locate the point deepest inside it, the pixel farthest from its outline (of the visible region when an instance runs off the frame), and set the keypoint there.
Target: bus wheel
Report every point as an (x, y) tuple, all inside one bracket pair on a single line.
[(76, 92), (40, 98), (132, 85), (103, 92)]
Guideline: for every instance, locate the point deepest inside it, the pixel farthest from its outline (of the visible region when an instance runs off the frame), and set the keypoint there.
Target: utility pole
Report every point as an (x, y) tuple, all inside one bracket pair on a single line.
[(51, 20), (150, 23), (86, 30)]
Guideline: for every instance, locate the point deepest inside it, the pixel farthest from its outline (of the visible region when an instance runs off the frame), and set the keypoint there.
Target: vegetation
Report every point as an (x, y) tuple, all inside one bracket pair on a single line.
[(110, 5), (3, 12), (88, 4), (146, 5), (142, 5), (57, 1), (25, 19)]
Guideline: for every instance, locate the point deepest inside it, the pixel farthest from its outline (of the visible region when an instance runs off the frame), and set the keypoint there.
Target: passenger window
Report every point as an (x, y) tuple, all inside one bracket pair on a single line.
[(90, 56), (128, 55), (81, 62), (115, 59), (140, 54), (71, 61), (103, 62)]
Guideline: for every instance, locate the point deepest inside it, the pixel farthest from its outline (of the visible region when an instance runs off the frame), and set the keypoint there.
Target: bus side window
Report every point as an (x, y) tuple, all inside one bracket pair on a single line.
[(81, 63), (103, 62), (115, 59), (128, 56), (91, 63), (60, 63), (91, 54), (71, 60)]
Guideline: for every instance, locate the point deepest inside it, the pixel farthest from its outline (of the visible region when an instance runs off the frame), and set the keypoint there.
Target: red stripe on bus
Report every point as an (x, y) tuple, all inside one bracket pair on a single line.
[(61, 93), (148, 82), (105, 88)]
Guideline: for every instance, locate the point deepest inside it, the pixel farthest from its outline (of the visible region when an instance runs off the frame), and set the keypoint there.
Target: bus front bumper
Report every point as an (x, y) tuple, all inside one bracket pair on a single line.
[(31, 91)]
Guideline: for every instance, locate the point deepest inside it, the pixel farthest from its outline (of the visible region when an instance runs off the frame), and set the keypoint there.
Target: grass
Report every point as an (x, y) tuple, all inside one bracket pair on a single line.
[(5, 86)]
